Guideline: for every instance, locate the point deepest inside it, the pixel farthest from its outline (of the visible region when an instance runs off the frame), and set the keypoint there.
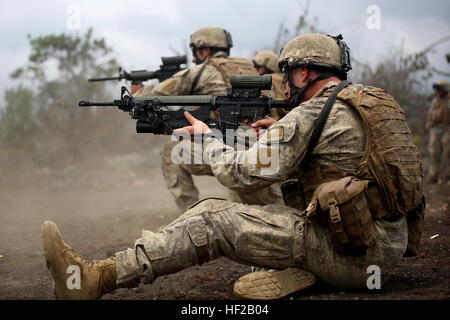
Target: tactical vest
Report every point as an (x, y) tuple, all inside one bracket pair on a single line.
[(232, 65), (391, 162)]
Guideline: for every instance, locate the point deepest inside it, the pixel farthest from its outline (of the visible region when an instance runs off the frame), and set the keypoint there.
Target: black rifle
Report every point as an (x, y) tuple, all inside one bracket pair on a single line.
[(170, 66), (243, 101)]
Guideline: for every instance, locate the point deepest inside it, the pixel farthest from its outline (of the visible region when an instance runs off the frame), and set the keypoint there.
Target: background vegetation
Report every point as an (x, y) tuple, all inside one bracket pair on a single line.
[(44, 134)]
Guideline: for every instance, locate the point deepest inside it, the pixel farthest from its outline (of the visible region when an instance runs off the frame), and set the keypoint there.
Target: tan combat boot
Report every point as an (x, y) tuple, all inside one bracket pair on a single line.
[(269, 284), (96, 278)]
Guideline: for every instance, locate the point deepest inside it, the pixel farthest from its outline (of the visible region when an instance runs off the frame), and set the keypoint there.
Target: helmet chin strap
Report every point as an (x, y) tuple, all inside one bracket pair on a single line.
[(297, 94), (197, 59)]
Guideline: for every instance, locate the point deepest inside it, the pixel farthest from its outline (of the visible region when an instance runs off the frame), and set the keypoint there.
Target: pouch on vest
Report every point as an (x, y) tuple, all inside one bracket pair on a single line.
[(293, 194), (344, 204)]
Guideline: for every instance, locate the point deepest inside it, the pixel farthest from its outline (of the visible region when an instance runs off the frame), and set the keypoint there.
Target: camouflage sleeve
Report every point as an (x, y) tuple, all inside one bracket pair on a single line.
[(169, 87), (144, 91), (278, 153), (210, 82), (272, 159)]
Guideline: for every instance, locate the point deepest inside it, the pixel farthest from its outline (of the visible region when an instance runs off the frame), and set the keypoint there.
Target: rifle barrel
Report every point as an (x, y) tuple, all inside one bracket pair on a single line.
[(95, 104), (104, 79)]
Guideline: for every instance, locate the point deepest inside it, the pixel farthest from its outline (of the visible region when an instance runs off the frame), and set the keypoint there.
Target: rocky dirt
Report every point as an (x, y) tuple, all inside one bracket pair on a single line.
[(99, 216)]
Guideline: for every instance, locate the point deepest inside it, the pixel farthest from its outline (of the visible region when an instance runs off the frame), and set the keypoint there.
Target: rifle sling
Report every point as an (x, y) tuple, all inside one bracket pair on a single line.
[(197, 77), (318, 128)]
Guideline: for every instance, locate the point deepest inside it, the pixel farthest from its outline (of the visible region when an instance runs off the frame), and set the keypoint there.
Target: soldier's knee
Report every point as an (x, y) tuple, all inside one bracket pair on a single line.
[(211, 204), (196, 228)]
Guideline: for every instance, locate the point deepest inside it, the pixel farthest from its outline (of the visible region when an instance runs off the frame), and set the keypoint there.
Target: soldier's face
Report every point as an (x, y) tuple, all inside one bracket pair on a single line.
[(298, 79), (441, 93), (200, 55), (261, 70)]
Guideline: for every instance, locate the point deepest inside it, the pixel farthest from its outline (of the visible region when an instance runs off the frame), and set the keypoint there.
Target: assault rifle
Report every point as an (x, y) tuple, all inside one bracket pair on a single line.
[(242, 101), (170, 66)]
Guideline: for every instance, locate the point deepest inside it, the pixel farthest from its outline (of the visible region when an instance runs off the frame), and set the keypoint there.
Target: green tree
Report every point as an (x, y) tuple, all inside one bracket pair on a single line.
[(43, 132), (57, 71), (17, 122)]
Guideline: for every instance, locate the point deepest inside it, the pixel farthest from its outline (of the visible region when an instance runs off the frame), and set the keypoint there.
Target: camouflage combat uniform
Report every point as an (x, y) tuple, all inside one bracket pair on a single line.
[(144, 91), (272, 236), (178, 178), (438, 122)]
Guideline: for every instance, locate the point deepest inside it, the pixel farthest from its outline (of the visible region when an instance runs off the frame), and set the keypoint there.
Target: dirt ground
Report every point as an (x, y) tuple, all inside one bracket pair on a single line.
[(99, 218)]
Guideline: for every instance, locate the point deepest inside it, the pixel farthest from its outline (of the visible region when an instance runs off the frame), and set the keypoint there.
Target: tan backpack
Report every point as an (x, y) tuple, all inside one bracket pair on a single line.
[(391, 158)]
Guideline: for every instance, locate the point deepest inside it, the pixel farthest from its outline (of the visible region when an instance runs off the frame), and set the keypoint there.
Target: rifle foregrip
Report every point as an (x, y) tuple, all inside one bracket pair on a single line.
[(156, 128), (281, 104)]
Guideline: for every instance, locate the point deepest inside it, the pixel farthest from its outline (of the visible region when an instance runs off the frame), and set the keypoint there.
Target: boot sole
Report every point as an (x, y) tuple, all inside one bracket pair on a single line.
[(265, 285)]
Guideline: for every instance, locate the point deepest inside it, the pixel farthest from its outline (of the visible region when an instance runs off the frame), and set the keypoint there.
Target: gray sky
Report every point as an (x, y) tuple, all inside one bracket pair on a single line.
[(140, 32)]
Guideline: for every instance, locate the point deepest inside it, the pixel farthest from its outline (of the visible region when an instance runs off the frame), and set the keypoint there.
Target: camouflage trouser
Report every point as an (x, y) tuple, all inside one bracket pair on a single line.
[(178, 178), (439, 149), (270, 236)]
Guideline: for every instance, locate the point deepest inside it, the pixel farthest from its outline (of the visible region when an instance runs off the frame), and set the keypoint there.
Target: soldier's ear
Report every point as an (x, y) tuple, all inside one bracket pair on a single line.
[(305, 74)]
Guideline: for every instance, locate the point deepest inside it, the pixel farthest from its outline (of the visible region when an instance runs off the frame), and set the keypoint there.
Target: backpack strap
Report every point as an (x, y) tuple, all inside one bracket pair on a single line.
[(197, 77), (320, 123)]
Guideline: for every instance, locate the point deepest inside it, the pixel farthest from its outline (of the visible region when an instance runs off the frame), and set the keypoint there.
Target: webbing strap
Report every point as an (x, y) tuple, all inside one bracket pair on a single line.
[(197, 77), (318, 128)]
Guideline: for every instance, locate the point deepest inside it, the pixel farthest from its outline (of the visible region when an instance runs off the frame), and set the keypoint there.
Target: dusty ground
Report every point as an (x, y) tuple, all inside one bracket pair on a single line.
[(98, 218)]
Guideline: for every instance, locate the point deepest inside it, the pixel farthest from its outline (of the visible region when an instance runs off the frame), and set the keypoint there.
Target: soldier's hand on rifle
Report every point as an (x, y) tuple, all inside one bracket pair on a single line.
[(262, 124), (197, 126)]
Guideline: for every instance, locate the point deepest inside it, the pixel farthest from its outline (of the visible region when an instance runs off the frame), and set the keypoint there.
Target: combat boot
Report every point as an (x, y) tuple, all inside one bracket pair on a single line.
[(269, 284), (95, 278)]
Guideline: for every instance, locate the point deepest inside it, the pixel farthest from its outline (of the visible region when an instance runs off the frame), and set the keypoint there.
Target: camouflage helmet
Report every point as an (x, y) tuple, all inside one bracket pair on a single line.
[(211, 37), (267, 59), (315, 49), (441, 84)]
